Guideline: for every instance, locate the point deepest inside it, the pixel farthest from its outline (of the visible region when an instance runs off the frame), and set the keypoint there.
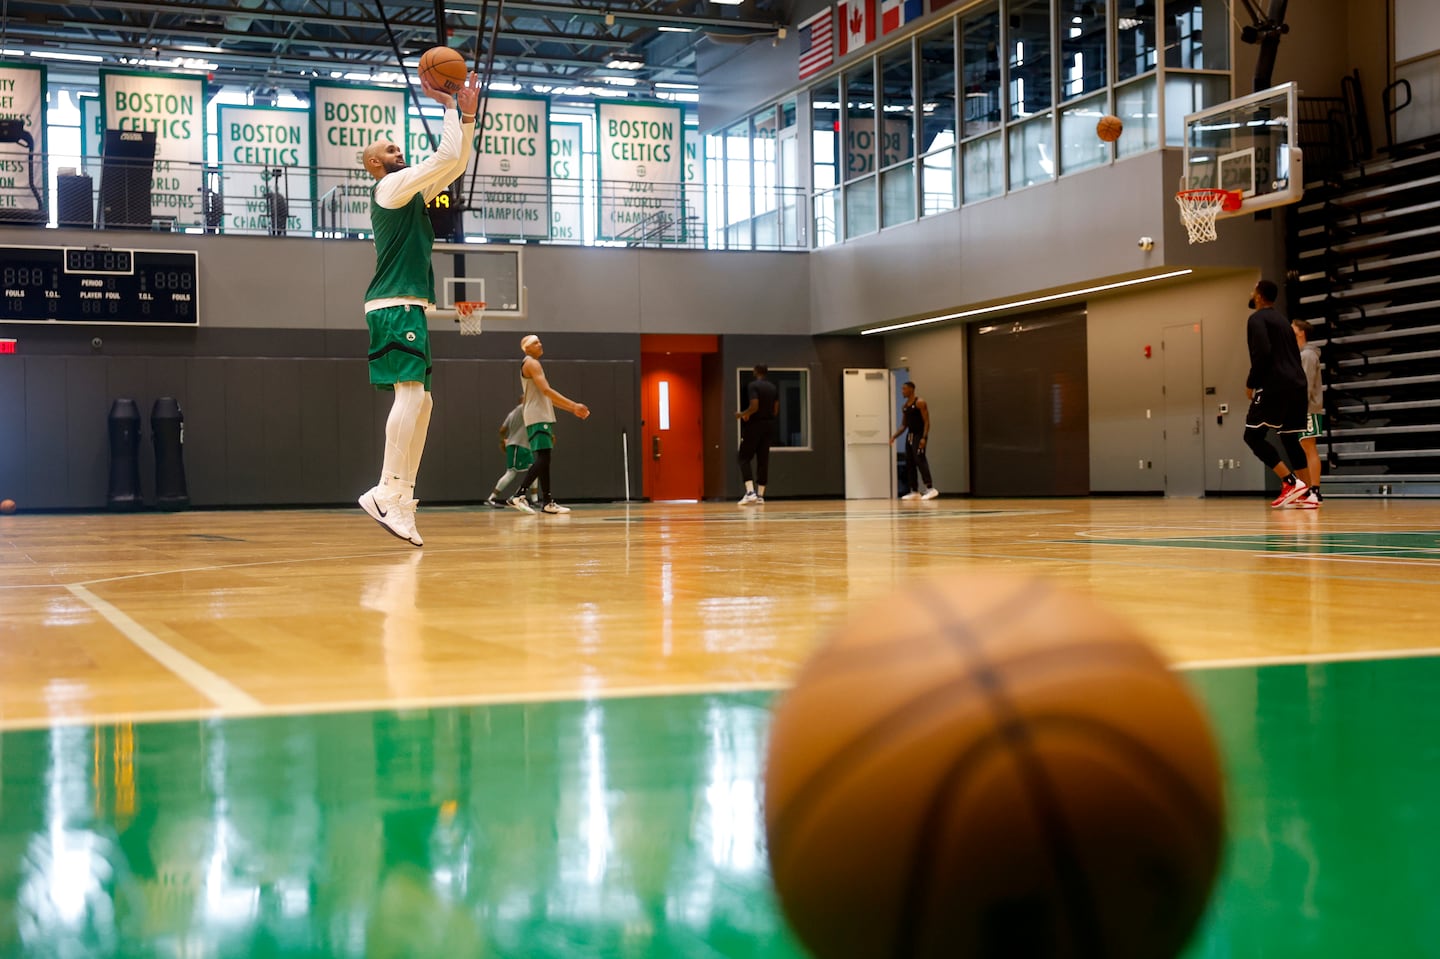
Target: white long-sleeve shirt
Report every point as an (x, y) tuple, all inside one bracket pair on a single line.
[(433, 174)]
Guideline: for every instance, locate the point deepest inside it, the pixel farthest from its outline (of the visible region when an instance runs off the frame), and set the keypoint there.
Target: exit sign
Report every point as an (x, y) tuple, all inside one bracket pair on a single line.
[(7, 346)]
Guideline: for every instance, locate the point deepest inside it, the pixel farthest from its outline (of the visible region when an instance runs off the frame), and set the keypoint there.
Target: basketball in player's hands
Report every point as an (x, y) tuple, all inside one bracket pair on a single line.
[(987, 766), (443, 68), (1109, 128)]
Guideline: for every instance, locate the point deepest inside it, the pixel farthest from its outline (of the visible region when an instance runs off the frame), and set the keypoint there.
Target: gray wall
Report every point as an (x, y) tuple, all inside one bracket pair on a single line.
[(1079, 230)]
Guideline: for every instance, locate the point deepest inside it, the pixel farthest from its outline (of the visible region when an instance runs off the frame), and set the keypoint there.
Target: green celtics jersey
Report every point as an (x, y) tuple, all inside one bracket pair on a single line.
[(403, 241)]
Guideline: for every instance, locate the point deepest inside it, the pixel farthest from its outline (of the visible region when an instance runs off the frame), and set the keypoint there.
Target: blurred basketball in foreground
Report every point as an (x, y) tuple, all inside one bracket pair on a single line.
[(1109, 128), (7, 506), (991, 766), (444, 68)]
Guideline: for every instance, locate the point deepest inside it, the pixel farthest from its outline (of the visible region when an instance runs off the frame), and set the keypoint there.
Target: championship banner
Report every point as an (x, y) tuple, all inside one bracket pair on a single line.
[(639, 153), (512, 160), (346, 120), (265, 161), (567, 183), (22, 154), (92, 135), (694, 180), (172, 106)]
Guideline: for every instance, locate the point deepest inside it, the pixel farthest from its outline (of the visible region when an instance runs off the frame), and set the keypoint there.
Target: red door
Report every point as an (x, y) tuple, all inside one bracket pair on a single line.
[(672, 434)]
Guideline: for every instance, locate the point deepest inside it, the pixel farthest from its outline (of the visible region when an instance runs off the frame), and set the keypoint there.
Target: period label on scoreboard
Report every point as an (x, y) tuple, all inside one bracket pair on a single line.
[(98, 285)]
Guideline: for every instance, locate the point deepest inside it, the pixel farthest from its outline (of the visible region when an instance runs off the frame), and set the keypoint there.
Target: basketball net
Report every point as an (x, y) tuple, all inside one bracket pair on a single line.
[(469, 313), (1199, 208)]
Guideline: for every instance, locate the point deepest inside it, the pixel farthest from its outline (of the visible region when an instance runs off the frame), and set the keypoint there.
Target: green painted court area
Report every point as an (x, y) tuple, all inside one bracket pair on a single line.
[(1421, 544), (632, 828)]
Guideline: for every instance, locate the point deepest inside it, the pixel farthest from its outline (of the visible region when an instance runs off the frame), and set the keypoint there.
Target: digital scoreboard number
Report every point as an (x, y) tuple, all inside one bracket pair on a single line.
[(99, 285)]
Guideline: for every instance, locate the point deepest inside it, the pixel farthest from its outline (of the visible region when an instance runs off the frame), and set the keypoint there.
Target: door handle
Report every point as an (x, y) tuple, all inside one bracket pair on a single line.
[(655, 447), (1196, 430)]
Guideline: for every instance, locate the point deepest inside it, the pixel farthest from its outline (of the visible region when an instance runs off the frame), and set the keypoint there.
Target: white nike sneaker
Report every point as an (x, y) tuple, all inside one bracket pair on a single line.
[(384, 507), (406, 507), (749, 499), (913, 494), (554, 508), (519, 502), (931, 493)]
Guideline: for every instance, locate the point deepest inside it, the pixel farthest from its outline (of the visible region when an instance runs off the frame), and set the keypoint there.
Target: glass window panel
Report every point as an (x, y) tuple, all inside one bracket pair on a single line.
[(1028, 44), (737, 185), (827, 217), (980, 72), (1080, 148), (792, 426), (937, 182), (715, 190), (1189, 93), (984, 171), (1135, 104), (937, 88), (860, 208), (1082, 48), (897, 106), (1197, 35), (860, 121), (825, 134), (1032, 153), (897, 194), (1134, 37), (765, 174)]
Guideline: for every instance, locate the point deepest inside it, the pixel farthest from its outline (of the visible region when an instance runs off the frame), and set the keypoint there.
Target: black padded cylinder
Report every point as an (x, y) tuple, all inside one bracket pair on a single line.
[(167, 429), (124, 422)]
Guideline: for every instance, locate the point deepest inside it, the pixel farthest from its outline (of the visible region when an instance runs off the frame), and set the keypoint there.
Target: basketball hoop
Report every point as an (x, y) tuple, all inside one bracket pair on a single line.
[(1199, 208), (468, 314)]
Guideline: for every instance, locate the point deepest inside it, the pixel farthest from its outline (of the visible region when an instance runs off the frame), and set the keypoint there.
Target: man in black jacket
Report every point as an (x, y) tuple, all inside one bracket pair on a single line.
[(1276, 388)]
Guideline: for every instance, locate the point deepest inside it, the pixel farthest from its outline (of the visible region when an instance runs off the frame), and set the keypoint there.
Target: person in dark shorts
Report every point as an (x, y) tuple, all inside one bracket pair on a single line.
[(1276, 388), (915, 424), (757, 434)]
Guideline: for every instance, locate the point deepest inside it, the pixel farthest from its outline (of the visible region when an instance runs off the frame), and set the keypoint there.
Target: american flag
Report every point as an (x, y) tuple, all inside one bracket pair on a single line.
[(817, 42)]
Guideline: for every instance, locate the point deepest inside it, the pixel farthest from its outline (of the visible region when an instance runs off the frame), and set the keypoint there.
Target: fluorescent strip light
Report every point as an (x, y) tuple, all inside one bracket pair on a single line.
[(55, 55), (1030, 302), (199, 48), (663, 85), (675, 29), (728, 3), (621, 81), (500, 85)]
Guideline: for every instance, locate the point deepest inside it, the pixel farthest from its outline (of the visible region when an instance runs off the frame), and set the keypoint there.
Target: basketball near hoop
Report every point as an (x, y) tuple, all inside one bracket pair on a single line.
[(469, 313)]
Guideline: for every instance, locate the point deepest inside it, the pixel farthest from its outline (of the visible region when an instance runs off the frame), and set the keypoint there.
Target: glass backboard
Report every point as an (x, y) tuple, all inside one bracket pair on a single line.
[(499, 270), (1249, 144)]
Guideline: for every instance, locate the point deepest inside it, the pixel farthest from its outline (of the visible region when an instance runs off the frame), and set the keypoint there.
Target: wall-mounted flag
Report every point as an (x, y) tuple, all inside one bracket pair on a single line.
[(817, 42), (857, 25)]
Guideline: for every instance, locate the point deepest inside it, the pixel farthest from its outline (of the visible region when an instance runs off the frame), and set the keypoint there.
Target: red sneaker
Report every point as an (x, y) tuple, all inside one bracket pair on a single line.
[(1289, 491)]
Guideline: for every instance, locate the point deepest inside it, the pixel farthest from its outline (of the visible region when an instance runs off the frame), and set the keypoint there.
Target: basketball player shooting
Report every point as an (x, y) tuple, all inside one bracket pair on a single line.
[(402, 290)]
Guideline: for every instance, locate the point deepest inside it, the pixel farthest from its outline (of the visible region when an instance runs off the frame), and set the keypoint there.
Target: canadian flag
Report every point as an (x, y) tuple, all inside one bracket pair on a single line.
[(894, 14), (857, 24)]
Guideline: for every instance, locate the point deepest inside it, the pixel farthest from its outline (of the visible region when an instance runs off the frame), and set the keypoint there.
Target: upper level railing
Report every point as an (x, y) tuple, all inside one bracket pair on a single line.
[(322, 202)]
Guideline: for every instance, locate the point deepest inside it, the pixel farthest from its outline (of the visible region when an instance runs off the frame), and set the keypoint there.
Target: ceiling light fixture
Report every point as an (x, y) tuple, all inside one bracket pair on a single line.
[(1027, 302), (625, 61)]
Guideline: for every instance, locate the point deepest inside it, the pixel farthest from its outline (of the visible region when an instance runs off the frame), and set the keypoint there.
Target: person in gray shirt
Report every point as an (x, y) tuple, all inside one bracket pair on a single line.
[(1315, 422), (517, 456)]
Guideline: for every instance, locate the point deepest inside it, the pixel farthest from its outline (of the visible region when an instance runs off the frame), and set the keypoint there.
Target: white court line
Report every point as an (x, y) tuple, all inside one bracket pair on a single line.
[(326, 708), (1308, 659), (257, 710), (217, 689)]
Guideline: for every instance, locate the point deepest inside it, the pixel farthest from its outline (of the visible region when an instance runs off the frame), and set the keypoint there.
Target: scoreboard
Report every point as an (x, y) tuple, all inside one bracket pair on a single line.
[(99, 285)]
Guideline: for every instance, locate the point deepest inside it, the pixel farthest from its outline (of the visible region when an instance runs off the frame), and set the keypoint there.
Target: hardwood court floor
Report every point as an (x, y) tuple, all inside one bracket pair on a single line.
[(544, 736)]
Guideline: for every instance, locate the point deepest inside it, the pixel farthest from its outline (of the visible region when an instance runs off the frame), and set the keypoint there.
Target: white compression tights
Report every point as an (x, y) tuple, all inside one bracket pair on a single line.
[(405, 435)]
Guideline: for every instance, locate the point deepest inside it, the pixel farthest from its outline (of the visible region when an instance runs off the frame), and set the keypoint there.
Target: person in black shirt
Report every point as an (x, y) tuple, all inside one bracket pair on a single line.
[(1277, 391), (757, 433), (915, 423)]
